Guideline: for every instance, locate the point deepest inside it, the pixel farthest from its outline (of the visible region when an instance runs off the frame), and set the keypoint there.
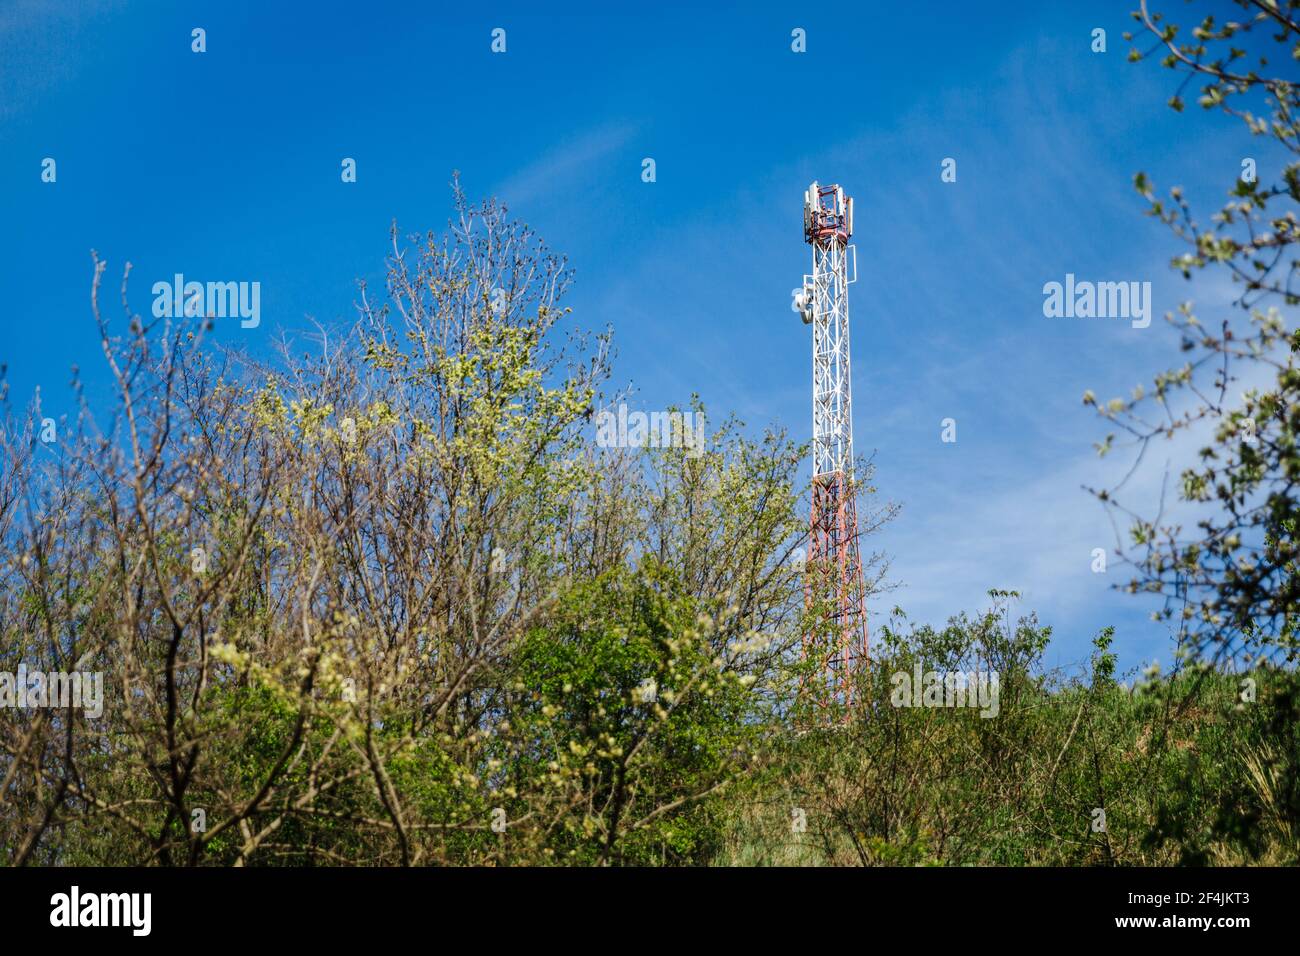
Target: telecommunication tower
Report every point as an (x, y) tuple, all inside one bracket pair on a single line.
[(837, 638)]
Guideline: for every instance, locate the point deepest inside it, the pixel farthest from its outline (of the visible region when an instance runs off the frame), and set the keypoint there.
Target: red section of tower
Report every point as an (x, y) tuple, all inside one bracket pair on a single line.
[(838, 636)]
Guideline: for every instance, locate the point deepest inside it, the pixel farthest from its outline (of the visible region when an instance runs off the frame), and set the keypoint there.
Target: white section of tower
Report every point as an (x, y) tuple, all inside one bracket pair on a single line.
[(828, 296)]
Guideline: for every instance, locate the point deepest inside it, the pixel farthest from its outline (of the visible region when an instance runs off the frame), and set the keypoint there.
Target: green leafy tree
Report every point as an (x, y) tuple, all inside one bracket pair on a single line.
[(1226, 562), (382, 599)]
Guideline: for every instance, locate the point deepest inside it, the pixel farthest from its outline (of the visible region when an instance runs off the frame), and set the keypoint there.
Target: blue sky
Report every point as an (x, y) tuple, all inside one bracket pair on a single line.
[(225, 165)]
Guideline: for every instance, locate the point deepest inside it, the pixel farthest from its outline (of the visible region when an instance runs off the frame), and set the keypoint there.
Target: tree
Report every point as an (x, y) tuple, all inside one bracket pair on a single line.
[(1230, 582), (381, 599)]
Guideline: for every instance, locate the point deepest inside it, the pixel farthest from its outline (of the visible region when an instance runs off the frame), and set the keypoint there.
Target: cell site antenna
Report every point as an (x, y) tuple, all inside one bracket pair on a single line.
[(837, 637)]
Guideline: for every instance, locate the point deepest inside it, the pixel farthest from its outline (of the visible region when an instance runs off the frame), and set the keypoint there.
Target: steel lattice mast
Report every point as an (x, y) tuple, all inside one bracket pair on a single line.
[(838, 637)]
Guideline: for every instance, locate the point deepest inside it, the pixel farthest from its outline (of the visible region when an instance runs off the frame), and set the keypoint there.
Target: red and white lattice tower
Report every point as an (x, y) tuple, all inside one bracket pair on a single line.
[(837, 638)]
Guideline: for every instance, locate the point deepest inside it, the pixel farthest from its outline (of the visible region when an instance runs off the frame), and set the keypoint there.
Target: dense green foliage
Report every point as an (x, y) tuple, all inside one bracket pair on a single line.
[(1185, 769)]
